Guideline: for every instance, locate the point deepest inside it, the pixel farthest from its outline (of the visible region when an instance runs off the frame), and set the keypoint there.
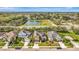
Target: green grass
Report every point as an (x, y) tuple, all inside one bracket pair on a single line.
[(67, 43), (65, 34), (31, 44), (47, 43), (17, 43), (2, 43), (20, 45), (72, 34), (43, 44), (76, 38)]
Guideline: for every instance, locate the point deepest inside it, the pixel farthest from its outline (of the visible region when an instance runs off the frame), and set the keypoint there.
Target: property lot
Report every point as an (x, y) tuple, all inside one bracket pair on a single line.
[(38, 39), (39, 35)]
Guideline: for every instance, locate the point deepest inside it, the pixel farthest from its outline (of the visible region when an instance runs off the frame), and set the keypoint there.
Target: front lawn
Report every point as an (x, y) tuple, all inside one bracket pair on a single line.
[(76, 38), (17, 43), (72, 34), (2, 43), (48, 43), (31, 44), (20, 45), (67, 43)]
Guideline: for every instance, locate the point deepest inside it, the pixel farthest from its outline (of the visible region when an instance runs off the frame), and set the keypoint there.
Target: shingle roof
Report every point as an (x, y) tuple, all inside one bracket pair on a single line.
[(2, 33)]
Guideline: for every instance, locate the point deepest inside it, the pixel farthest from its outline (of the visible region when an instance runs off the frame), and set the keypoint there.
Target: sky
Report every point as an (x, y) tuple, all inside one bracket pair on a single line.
[(39, 9)]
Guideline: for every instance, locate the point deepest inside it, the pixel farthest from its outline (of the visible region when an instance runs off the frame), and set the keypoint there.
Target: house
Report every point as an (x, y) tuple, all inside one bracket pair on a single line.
[(50, 37), (24, 34), (53, 35), (43, 36), (2, 35), (36, 39), (10, 35), (56, 36)]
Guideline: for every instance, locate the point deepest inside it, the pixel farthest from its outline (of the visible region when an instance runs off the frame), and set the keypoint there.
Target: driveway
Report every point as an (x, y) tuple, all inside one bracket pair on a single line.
[(26, 43), (35, 46), (62, 45), (5, 46)]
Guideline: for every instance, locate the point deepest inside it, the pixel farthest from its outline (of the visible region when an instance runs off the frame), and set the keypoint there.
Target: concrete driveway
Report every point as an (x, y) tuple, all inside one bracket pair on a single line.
[(5, 46), (62, 45), (35, 46), (26, 43)]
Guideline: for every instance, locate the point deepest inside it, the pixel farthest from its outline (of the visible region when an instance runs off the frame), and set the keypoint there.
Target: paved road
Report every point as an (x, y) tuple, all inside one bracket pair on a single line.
[(44, 49)]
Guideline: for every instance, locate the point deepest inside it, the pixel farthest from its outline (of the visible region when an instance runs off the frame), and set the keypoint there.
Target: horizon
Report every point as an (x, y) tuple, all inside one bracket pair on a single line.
[(39, 9)]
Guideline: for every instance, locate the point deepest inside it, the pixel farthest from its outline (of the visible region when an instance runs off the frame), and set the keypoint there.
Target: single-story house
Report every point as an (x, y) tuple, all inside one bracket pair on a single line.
[(23, 34)]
